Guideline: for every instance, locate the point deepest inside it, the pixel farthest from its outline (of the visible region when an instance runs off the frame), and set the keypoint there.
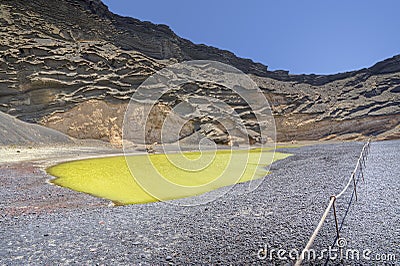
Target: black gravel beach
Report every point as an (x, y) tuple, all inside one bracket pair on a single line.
[(41, 224)]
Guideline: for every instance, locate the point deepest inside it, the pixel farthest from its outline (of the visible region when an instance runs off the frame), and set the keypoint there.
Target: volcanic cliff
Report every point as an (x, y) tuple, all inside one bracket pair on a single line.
[(72, 65)]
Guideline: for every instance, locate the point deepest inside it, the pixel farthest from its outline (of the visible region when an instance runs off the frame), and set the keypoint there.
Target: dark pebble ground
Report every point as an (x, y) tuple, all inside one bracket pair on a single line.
[(281, 213)]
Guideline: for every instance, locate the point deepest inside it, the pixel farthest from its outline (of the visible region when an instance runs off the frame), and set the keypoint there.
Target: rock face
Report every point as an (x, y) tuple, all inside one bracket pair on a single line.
[(72, 65), (361, 105), (90, 119)]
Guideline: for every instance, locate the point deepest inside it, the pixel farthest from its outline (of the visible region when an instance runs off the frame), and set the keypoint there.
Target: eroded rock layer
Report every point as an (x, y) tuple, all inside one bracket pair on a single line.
[(73, 65)]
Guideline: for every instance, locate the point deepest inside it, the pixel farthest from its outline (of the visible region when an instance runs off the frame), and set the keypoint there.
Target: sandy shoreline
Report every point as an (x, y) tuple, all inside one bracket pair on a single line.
[(43, 224), (36, 159), (50, 155)]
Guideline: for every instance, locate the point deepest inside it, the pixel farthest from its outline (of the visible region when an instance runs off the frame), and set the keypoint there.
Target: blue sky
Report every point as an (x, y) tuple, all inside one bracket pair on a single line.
[(302, 36)]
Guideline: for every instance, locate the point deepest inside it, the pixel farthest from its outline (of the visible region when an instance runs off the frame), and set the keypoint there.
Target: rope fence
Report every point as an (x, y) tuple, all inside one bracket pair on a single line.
[(361, 164)]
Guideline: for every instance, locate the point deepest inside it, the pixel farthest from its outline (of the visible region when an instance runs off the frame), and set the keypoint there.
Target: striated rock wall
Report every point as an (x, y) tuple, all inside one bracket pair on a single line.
[(359, 105), (72, 65), (92, 119)]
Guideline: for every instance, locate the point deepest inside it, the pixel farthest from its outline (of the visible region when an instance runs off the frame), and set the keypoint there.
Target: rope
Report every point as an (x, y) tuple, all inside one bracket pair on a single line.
[(363, 154), (344, 217)]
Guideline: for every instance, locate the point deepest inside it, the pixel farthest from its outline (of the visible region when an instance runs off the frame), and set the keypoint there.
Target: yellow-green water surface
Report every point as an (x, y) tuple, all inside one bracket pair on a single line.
[(150, 178)]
